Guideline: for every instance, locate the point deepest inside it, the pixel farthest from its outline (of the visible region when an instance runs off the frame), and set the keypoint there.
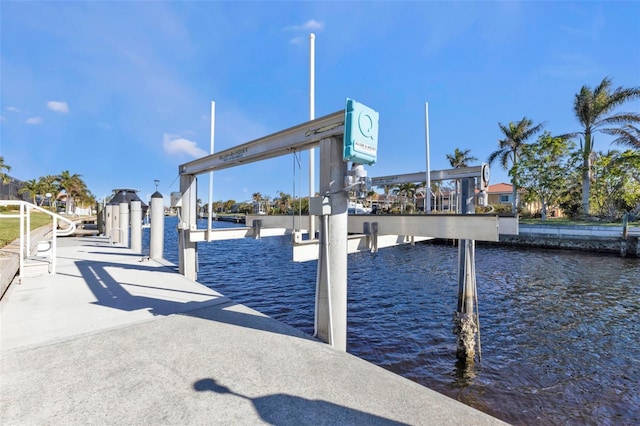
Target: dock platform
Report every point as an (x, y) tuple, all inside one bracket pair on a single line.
[(116, 338)]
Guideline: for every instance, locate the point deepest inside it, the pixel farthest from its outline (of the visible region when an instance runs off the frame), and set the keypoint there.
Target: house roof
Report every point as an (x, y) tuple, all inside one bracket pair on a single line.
[(501, 188)]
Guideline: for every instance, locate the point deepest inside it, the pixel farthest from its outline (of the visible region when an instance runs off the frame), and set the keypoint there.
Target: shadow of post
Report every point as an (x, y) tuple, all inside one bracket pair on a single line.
[(283, 409)]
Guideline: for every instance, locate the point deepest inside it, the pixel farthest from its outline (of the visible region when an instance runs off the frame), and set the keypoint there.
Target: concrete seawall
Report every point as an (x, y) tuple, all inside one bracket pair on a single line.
[(594, 238), (117, 338)]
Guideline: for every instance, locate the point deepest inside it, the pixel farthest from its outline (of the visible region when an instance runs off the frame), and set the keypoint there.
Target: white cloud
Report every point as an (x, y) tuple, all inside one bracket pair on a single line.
[(174, 144), (58, 106), (297, 40), (104, 126), (310, 25), (3, 118), (33, 120), (13, 109)]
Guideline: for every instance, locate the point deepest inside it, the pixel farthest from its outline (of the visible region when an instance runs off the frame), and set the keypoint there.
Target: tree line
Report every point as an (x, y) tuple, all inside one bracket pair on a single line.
[(49, 188), (555, 170)]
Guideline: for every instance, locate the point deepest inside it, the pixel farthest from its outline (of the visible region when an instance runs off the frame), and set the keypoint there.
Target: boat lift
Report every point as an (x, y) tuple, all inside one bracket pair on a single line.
[(339, 233)]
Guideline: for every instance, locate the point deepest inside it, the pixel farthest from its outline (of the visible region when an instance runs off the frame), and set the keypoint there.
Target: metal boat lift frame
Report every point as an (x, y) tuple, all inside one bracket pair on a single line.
[(339, 233)]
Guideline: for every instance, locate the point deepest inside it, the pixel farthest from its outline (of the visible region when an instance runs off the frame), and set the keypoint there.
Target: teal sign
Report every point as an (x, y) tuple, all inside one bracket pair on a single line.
[(360, 133)]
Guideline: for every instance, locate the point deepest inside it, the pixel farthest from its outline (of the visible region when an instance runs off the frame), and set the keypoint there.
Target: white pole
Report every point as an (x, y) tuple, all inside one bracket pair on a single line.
[(312, 115), (213, 126), (428, 188)]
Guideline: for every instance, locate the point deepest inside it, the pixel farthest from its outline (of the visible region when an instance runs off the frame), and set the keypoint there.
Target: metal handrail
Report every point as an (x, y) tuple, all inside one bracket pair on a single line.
[(25, 213)]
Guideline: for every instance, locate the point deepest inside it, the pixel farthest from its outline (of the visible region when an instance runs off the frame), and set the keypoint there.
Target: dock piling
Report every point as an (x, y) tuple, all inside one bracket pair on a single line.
[(136, 226)]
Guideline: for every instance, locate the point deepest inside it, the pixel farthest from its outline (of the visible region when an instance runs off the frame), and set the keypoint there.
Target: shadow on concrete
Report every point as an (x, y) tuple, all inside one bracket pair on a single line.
[(284, 409), (163, 301)]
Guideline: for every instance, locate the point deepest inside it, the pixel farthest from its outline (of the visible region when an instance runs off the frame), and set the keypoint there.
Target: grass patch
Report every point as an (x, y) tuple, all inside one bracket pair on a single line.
[(10, 227)]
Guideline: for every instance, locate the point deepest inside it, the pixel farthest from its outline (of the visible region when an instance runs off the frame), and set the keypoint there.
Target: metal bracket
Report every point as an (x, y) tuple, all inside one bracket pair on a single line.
[(257, 226), (371, 232)]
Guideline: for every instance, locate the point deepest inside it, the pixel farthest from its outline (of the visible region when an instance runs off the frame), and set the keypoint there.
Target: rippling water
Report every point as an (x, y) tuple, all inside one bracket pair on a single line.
[(559, 329)]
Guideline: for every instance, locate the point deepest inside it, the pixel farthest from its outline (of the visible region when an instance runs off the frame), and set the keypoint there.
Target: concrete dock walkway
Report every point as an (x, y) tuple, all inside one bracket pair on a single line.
[(113, 338)]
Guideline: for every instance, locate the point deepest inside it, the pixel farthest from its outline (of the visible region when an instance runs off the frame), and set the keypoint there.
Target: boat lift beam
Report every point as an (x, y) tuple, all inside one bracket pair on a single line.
[(331, 288), (479, 172), (298, 138)]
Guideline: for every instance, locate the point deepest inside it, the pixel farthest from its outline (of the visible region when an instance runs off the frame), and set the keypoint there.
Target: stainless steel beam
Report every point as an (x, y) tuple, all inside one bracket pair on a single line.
[(478, 227), (473, 227), (301, 137), (308, 250), (448, 174)]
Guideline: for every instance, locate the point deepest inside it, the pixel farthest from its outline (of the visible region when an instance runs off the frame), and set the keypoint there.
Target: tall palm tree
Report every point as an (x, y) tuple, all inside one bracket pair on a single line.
[(515, 137), (257, 202), (594, 110), (460, 158), (4, 178)]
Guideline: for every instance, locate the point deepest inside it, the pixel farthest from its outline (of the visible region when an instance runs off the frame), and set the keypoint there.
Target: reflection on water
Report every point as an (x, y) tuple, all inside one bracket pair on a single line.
[(559, 328)]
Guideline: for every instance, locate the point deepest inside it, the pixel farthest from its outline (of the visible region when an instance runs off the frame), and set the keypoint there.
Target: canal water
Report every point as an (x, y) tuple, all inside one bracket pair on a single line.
[(560, 330)]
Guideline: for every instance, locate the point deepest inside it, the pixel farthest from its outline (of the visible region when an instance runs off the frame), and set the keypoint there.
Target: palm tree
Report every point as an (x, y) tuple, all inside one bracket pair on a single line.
[(73, 185), (515, 137), (49, 185), (593, 109), (407, 190), (32, 187), (4, 178), (460, 158), (257, 202), (629, 136)]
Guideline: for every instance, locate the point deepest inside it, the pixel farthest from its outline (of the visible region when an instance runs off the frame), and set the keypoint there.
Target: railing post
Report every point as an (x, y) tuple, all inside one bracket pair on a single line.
[(28, 216), (21, 256), (54, 246)]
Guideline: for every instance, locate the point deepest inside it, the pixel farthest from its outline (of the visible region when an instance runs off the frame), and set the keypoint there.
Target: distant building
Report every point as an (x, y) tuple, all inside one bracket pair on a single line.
[(9, 191), (502, 193)]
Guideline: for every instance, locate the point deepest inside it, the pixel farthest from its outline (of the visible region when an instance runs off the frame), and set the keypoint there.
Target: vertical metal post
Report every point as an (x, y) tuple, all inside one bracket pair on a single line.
[(136, 226), (427, 195), (54, 247), (210, 205), (156, 238), (22, 254), (124, 223), (28, 216), (187, 249), (331, 309), (465, 319), (312, 115)]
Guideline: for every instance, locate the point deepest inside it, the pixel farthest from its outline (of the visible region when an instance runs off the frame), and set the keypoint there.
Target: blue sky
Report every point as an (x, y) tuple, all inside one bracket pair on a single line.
[(120, 92)]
